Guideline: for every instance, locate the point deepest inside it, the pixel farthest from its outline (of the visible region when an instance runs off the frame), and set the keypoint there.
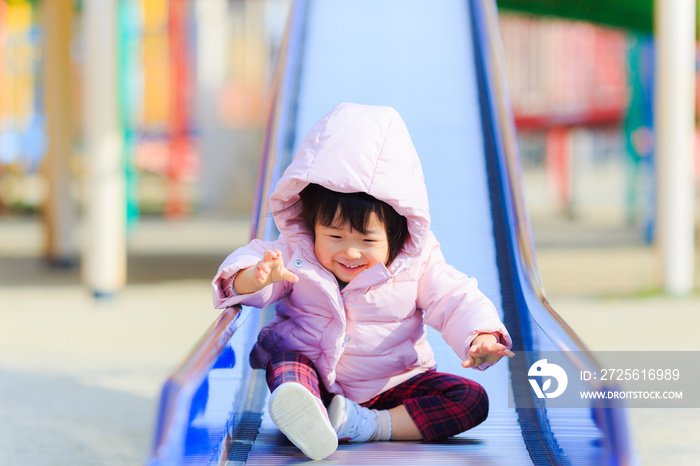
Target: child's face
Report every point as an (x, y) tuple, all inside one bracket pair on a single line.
[(347, 252)]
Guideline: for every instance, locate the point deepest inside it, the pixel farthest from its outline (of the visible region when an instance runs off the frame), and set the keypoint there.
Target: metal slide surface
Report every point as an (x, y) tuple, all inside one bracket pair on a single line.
[(433, 62), (418, 58)]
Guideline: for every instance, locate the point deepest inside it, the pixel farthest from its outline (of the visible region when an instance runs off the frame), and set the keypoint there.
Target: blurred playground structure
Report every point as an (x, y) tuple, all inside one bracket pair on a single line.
[(191, 80), (169, 69)]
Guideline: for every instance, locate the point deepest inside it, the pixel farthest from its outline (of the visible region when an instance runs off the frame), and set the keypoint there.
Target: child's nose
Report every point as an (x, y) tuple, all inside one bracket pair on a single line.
[(352, 253)]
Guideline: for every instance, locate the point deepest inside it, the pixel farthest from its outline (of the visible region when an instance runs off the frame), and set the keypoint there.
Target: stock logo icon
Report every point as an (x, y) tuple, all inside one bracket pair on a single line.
[(547, 372)]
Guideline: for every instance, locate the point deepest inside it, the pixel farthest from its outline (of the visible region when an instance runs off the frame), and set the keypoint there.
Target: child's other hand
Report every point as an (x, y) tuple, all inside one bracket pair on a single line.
[(485, 348), (271, 269)]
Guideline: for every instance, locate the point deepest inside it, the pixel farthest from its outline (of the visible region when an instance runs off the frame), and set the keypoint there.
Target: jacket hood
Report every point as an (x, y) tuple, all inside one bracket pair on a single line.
[(357, 148)]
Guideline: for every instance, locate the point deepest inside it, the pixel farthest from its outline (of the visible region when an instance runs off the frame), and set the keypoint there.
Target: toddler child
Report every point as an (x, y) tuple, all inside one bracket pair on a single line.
[(355, 275)]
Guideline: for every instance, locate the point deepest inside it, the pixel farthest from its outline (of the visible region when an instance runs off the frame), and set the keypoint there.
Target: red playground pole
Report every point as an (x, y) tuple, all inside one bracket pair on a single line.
[(176, 203)]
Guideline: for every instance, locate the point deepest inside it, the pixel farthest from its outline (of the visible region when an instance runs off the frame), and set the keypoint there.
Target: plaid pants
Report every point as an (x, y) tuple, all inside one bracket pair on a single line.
[(441, 405)]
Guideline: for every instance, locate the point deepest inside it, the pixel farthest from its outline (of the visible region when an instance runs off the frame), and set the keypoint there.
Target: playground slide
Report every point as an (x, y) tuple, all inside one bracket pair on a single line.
[(439, 65)]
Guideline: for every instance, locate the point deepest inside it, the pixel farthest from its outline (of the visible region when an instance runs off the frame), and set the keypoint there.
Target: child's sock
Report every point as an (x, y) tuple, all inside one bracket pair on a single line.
[(301, 416), (354, 423), (383, 431)]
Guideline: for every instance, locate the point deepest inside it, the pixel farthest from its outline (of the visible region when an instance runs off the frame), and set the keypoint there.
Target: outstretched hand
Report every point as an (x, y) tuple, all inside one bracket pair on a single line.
[(485, 348), (271, 270)]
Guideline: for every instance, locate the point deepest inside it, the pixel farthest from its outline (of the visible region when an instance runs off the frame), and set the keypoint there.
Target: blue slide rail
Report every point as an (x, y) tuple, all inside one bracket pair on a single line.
[(392, 52)]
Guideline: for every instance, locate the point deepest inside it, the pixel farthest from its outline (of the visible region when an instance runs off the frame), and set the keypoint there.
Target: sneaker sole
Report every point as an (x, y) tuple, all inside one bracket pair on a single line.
[(298, 414)]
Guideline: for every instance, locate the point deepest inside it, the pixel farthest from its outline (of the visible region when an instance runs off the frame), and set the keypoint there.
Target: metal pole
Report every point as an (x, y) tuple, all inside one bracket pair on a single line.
[(675, 100), (60, 212), (212, 20), (104, 263)]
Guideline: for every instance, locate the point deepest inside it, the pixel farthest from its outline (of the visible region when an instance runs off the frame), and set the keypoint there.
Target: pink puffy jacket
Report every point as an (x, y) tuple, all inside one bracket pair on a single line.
[(369, 336)]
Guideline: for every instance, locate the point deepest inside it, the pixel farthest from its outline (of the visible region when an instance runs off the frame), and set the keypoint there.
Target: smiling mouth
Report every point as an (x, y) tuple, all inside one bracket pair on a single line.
[(351, 267)]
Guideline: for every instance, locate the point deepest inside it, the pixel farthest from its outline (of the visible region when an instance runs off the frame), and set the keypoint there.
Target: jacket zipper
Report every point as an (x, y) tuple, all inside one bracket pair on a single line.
[(340, 342)]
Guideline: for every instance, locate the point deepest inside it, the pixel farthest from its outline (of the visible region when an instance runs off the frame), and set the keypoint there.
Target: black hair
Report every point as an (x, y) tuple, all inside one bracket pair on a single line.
[(331, 209)]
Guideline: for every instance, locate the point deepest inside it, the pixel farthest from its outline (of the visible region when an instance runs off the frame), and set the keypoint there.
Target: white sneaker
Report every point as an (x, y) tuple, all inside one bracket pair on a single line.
[(351, 422), (302, 417)]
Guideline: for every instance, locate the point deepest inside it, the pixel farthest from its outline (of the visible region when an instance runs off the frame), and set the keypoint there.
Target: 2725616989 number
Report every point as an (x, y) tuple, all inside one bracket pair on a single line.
[(639, 374)]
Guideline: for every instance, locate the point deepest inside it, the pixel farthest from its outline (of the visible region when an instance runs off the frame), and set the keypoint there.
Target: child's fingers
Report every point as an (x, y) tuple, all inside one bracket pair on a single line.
[(267, 257), (469, 362), (479, 354), (501, 350), (496, 348), (262, 271), (472, 361), (263, 266), (273, 257), (482, 348), (271, 268)]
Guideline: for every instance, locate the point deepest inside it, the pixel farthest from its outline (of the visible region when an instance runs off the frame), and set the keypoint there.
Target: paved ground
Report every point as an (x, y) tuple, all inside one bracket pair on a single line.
[(79, 379)]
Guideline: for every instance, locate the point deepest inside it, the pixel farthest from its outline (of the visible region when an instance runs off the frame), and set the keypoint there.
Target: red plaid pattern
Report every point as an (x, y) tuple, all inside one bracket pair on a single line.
[(441, 405), (290, 366)]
